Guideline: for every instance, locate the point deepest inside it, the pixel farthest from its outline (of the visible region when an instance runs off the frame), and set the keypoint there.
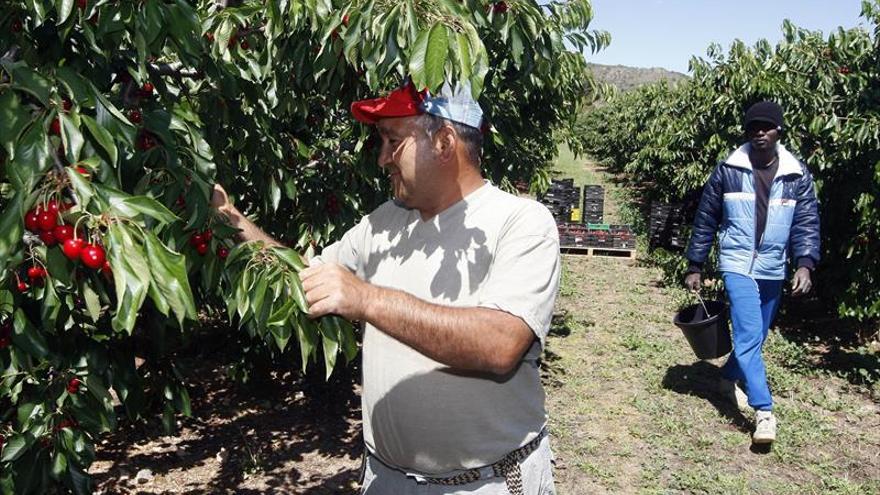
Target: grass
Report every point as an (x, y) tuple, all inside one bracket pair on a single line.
[(631, 410)]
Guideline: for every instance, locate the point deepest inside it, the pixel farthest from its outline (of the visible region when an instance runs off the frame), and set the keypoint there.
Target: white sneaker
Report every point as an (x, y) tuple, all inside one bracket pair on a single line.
[(734, 393), (765, 427)]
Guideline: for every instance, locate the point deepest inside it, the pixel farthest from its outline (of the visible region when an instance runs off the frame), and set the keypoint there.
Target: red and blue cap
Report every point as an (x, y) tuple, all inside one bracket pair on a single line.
[(454, 104)]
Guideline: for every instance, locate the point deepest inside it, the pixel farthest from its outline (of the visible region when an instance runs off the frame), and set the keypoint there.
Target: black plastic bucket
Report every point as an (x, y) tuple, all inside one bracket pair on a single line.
[(708, 335)]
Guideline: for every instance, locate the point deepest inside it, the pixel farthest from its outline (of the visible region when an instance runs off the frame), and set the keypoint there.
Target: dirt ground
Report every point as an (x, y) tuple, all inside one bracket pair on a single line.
[(279, 436)]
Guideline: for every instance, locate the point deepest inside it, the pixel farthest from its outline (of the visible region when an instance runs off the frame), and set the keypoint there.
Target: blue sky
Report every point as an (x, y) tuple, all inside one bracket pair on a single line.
[(665, 33)]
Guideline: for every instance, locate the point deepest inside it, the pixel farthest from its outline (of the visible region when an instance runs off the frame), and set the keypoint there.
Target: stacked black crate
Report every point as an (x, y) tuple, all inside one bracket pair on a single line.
[(622, 237), (666, 226), (560, 198), (593, 210), (572, 234)]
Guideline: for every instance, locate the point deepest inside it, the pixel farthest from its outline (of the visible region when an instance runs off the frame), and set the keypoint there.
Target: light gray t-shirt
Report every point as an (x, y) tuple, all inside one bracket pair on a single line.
[(492, 250)]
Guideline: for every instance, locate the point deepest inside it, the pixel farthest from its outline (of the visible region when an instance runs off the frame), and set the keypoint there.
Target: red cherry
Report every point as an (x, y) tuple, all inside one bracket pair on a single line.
[(207, 235), (146, 141), (181, 201), (232, 41), (22, 287), (55, 127), (48, 238), (345, 20), (93, 256), (135, 117), (499, 7), (210, 36), (52, 205), (32, 221), (4, 343), (222, 253), (36, 273), (245, 45), (72, 388), (202, 249), (16, 26), (106, 269), (82, 4), (147, 88), (63, 233), (93, 20), (66, 104), (72, 248), (47, 219), (82, 171), (197, 239)]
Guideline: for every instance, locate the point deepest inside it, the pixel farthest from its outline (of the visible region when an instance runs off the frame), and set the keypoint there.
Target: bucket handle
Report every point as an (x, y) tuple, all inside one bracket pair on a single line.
[(703, 304)]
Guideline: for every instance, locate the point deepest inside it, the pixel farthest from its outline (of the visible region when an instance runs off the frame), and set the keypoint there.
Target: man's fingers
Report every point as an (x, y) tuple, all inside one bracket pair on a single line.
[(309, 275)]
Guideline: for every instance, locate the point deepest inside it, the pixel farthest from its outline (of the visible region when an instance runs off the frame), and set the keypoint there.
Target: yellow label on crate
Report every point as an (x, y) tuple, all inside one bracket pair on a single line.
[(575, 214)]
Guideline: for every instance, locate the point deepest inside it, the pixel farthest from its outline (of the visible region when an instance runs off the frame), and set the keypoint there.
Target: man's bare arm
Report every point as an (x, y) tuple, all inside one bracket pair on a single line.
[(479, 339), (249, 230)]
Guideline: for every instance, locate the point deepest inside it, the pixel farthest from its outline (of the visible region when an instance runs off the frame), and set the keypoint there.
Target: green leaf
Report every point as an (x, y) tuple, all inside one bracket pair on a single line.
[(78, 87), (29, 338), (13, 119), (64, 8), (289, 256), (71, 137), (93, 302), (33, 156), (82, 483), (58, 266), (99, 391), (281, 334), (15, 446), (330, 345), (345, 332), (307, 334), (103, 137), (28, 80), (148, 206), (298, 293), (131, 275), (11, 229), (83, 189), (428, 58), (168, 270), (59, 464)]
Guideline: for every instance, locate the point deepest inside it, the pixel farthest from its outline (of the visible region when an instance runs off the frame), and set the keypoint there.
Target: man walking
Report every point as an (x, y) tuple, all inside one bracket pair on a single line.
[(455, 281), (761, 202)]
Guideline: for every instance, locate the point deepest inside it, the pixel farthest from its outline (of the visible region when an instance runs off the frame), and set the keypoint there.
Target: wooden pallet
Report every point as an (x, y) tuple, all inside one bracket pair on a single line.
[(604, 252)]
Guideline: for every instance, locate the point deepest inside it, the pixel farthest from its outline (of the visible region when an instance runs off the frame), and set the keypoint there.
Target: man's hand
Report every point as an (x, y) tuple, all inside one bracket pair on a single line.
[(220, 200), (248, 231), (801, 284), (332, 289), (693, 281)]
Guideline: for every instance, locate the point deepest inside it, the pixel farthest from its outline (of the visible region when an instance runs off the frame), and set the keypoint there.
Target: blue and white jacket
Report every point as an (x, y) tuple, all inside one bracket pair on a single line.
[(728, 208)]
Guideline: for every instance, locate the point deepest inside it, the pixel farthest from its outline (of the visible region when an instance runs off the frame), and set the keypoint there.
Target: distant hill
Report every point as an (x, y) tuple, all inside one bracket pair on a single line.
[(626, 78)]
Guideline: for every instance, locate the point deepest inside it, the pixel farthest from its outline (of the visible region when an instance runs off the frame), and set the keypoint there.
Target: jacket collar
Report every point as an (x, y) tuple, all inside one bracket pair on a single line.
[(788, 164)]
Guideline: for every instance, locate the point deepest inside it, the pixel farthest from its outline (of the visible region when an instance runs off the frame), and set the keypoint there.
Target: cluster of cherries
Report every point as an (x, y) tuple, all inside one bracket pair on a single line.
[(201, 241), (46, 222)]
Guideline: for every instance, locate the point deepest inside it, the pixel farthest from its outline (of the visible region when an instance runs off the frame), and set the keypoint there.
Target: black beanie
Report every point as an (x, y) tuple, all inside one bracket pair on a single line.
[(764, 111)]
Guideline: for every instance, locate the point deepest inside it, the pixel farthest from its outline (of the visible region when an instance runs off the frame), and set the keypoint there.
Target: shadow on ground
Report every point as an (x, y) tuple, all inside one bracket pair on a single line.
[(699, 380), (834, 344), (277, 430)]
